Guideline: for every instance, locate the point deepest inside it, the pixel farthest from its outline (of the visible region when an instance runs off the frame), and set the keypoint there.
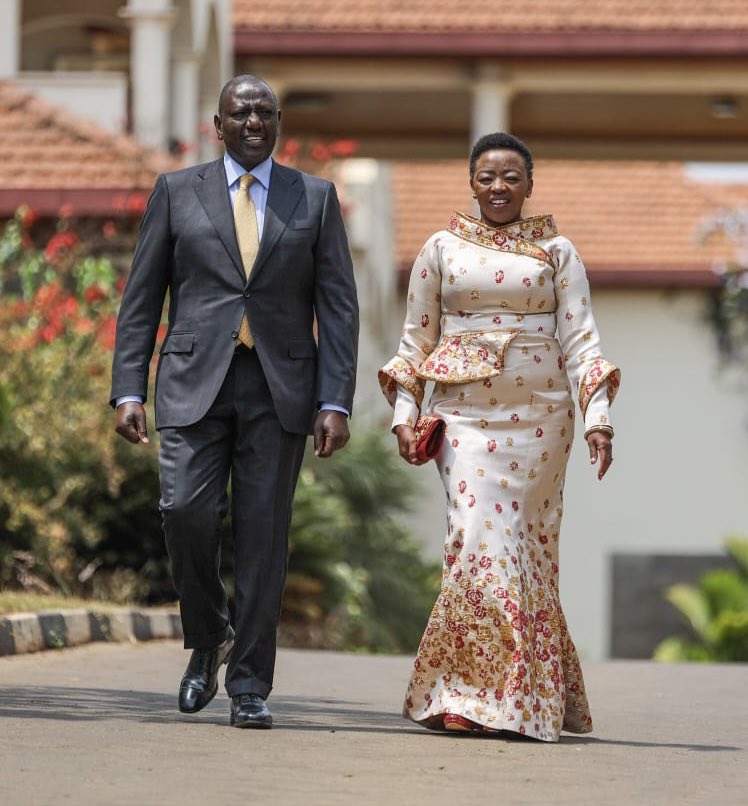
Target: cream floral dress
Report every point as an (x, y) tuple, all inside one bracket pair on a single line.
[(500, 321)]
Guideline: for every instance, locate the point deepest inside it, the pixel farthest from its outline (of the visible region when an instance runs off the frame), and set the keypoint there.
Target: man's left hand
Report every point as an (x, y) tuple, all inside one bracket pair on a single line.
[(330, 432)]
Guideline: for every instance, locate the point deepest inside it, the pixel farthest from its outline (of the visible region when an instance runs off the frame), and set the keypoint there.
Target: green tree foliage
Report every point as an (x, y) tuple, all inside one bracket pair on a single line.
[(716, 611), (729, 304)]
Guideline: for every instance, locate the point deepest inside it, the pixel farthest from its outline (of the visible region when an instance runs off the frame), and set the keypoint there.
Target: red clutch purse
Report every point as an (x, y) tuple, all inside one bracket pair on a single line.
[(430, 436)]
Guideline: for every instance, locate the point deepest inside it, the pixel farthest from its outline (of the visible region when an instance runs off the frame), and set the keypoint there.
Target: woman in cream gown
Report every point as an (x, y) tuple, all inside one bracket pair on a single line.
[(499, 318)]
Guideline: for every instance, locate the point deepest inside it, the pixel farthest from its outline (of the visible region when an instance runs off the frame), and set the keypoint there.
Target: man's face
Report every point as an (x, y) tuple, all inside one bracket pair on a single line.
[(247, 121)]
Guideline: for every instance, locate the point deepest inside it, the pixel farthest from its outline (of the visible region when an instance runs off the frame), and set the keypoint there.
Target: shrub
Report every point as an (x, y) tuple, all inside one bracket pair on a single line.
[(716, 612), (356, 577), (73, 512)]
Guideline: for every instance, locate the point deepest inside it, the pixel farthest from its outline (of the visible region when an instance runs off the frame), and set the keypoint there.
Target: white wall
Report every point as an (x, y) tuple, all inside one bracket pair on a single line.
[(679, 481), (184, 69), (10, 12), (98, 97), (364, 189)]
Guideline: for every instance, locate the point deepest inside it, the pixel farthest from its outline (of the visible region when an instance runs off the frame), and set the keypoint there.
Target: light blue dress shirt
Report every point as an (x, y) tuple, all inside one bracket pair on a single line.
[(258, 190)]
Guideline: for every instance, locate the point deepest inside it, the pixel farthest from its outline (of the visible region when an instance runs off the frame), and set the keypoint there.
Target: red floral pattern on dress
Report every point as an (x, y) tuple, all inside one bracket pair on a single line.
[(600, 372), (515, 237), (466, 357), (399, 372)]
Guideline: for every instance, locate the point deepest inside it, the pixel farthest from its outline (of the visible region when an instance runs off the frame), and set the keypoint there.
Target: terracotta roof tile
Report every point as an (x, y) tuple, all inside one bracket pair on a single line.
[(44, 147), (487, 15), (622, 216)]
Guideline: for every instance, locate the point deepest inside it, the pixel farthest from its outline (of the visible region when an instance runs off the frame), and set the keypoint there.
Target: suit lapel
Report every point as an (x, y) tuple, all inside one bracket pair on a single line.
[(283, 196), (213, 193)]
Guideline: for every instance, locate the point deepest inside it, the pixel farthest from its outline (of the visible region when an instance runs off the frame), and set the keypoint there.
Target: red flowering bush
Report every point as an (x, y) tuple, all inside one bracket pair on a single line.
[(318, 157), (74, 502), (60, 246)]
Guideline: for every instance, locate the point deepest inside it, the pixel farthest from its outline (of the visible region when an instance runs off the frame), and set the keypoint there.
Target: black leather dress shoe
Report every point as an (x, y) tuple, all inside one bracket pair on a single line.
[(250, 711), (200, 680)]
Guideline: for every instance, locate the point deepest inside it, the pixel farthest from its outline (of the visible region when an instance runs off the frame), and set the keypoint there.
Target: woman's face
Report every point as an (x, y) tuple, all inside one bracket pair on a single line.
[(501, 185)]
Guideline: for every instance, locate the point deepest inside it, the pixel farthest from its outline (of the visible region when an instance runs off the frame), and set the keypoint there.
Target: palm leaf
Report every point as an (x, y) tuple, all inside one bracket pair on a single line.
[(694, 606), (738, 549), (731, 636), (678, 650), (724, 590)]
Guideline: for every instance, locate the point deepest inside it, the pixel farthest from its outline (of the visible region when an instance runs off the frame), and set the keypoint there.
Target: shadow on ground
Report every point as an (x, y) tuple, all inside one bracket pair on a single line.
[(290, 713), (90, 704)]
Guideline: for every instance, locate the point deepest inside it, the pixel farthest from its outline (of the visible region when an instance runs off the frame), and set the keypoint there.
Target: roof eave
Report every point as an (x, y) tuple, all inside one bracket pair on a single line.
[(79, 201), (666, 43)]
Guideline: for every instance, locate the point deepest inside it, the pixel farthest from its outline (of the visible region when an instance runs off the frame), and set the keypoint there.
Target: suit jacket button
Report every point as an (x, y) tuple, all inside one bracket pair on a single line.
[(234, 334), (247, 294)]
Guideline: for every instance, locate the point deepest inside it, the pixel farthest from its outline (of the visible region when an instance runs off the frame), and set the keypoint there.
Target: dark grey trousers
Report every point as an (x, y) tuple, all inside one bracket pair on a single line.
[(240, 436)]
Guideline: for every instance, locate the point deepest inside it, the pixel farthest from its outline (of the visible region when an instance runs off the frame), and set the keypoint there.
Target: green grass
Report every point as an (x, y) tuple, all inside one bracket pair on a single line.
[(21, 602)]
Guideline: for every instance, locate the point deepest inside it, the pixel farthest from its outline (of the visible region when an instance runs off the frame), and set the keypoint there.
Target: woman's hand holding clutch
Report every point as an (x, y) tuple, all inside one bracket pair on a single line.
[(407, 441), (424, 442)]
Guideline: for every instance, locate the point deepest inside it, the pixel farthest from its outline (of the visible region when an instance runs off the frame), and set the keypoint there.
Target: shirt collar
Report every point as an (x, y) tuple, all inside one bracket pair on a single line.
[(261, 172)]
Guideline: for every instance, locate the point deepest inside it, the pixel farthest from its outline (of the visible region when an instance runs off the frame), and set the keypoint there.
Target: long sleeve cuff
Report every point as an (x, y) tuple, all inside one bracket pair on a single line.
[(406, 408), (598, 409), (128, 399), (333, 407)]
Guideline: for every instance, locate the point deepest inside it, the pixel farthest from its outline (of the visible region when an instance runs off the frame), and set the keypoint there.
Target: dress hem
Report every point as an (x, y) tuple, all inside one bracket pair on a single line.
[(431, 723)]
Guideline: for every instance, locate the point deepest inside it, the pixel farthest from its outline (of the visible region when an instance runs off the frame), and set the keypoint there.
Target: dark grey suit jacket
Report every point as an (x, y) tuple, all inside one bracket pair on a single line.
[(187, 246)]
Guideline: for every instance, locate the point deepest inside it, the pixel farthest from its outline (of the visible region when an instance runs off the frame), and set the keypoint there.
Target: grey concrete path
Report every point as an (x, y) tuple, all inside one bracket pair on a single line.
[(98, 725)]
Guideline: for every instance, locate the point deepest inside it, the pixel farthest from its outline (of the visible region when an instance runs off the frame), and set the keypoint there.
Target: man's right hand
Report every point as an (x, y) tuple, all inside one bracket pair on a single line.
[(131, 422)]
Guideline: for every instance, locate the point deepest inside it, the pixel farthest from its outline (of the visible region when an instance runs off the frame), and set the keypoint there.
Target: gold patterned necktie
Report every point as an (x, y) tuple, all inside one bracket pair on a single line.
[(245, 222)]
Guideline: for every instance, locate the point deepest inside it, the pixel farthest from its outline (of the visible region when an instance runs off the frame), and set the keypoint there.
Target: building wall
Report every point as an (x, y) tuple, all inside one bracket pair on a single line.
[(681, 453), (99, 97), (678, 481), (154, 68)]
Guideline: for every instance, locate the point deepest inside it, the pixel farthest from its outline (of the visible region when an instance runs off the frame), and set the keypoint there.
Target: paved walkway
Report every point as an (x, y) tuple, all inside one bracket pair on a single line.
[(98, 725)]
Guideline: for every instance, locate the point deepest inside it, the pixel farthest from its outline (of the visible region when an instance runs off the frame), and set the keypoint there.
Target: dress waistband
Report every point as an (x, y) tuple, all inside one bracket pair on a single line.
[(537, 324)]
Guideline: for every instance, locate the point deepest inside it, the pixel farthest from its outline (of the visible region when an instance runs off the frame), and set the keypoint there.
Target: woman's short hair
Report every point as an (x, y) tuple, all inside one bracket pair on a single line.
[(500, 140)]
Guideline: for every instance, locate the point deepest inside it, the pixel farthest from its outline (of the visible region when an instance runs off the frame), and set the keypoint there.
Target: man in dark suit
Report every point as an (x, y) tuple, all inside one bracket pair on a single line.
[(252, 254)]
